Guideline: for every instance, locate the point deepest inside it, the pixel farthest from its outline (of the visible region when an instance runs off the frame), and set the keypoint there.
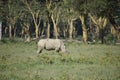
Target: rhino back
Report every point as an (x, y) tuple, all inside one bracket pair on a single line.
[(52, 43)]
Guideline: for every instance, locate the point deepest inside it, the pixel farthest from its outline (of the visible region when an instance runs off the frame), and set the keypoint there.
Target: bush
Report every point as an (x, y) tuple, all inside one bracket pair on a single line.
[(110, 39)]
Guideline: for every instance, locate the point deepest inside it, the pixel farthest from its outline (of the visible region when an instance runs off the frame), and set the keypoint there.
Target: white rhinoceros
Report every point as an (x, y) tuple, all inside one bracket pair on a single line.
[(51, 44)]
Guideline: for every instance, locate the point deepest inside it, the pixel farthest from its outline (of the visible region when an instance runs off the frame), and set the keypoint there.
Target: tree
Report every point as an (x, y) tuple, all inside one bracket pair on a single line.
[(81, 7), (12, 13), (34, 8), (25, 21), (100, 24), (101, 12), (113, 10), (53, 12), (70, 16)]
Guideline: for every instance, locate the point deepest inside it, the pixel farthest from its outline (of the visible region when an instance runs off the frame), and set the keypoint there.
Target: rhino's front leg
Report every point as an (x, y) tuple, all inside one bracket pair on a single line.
[(57, 49), (39, 50)]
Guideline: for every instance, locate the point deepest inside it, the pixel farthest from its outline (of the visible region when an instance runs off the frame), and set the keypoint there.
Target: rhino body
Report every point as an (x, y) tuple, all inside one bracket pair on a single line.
[(51, 44)]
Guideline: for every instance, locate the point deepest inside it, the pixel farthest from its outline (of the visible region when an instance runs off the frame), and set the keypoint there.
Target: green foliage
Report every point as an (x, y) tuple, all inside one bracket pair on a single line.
[(110, 39), (46, 59), (38, 12)]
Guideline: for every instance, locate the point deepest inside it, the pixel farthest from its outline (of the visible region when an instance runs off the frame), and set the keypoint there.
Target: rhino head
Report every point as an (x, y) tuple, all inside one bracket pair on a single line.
[(63, 48)]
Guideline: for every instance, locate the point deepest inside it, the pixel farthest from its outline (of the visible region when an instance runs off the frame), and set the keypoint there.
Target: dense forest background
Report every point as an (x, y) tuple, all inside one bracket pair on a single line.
[(86, 20)]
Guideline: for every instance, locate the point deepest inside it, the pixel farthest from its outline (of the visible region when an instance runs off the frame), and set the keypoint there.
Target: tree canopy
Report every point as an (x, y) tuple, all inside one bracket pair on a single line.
[(99, 19)]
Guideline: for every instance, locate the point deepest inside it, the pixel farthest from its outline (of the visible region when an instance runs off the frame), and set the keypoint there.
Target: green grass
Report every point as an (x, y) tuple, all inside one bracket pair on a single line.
[(19, 61)]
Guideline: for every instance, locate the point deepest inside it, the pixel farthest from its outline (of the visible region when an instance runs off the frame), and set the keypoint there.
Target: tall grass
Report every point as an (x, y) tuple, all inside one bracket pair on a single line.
[(19, 61)]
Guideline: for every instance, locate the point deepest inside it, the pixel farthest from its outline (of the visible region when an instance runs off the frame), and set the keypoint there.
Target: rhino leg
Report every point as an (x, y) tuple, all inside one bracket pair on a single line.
[(39, 49), (57, 49)]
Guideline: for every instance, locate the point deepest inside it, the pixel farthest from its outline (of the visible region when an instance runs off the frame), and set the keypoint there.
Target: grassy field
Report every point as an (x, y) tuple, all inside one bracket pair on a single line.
[(19, 61)]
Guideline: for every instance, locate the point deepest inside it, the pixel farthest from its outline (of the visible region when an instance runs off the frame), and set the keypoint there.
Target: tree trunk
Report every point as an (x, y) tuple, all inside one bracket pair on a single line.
[(82, 18), (84, 34), (55, 31), (22, 32), (115, 33), (15, 32), (0, 30), (28, 36), (10, 31), (55, 27), (37, 31), (70, 29), (101, 35), (27, 30), (48, 30), (64, 33), (115, 25), (102, 29)]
